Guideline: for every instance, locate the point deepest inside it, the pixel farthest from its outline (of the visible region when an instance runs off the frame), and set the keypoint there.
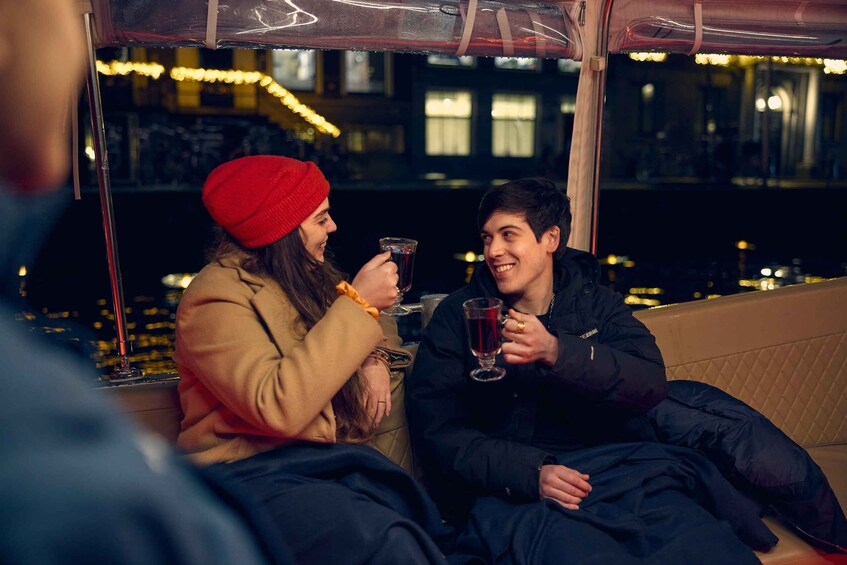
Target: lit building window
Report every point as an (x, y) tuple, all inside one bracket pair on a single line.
[(568, 66), (451, 61), (448, 122), (513, 125), (294, 68), (517, 63), (364, 72)]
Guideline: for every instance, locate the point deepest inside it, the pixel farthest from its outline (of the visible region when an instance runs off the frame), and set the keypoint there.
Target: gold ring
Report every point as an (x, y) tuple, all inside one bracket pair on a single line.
[(380, 402), (521, 326)]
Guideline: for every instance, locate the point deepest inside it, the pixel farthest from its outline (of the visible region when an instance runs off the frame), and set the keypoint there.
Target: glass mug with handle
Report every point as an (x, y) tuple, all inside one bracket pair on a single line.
[(403, 253), (484, 318)]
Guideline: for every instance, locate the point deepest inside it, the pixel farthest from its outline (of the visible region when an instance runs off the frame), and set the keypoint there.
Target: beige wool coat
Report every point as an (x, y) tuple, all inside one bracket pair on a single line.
[(248, 381)]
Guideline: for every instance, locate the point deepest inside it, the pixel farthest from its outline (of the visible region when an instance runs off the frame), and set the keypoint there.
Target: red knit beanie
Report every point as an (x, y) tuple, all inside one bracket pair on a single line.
[(263, 198)]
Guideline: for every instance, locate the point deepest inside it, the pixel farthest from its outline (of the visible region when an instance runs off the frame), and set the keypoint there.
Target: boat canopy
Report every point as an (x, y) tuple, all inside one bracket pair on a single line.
[(481, 27)]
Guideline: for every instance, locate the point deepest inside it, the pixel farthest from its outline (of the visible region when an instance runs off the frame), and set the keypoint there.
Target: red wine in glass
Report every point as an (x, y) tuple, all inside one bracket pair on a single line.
[(405, 266), (484, 334), (403, 254), (483, 317)]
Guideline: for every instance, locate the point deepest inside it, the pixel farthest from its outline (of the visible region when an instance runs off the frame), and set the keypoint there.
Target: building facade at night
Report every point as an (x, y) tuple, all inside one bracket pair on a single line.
[(407, 118)]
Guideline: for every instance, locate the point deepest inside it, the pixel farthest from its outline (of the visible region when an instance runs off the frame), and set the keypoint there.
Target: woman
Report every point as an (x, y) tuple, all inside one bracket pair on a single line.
[(284, 369)]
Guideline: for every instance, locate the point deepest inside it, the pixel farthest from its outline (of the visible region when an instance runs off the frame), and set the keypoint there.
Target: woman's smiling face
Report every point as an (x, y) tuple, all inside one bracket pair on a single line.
[(315, 230)]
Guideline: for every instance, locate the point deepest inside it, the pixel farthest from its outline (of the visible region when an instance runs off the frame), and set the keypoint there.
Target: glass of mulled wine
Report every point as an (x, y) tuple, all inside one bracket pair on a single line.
[(484, 317), (403, 253)]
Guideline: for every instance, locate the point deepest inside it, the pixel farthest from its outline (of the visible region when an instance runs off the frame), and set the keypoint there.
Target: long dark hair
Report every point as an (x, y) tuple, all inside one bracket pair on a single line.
[(310, 286)]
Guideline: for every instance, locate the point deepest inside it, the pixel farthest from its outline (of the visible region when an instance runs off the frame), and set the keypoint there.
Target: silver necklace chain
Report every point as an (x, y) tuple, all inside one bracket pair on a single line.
[(550, 312)]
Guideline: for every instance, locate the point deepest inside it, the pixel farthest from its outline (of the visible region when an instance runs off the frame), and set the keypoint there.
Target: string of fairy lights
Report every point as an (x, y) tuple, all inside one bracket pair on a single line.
[(235, 77), (830, 66)]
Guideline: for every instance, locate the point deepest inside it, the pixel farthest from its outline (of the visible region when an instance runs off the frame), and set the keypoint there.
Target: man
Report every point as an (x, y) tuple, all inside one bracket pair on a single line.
[(540, 465), (80, 484)]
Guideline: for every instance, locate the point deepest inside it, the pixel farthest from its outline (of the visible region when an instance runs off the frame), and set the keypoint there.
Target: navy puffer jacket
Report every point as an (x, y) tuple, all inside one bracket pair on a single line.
[(475, 438)]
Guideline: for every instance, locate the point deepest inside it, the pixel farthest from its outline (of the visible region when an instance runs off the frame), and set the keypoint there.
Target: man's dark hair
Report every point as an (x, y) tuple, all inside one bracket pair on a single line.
[(542, 203)]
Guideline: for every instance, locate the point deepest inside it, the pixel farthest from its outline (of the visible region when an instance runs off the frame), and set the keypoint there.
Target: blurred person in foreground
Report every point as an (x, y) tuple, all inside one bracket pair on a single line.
[(543, 465), (81, 484), (285, 371)]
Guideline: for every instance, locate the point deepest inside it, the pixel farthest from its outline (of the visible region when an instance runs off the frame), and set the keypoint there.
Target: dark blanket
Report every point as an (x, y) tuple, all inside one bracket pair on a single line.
[(649, 503), (341, 503), (754, 455)]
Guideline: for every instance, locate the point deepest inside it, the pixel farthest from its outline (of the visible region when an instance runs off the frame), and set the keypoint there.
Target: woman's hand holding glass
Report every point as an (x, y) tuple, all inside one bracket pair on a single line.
[(402, 250), (527, 340), (376, 281)]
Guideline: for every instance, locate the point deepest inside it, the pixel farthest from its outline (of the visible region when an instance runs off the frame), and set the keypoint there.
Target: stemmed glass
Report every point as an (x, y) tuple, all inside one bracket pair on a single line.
[(403, 253), (483, 317)]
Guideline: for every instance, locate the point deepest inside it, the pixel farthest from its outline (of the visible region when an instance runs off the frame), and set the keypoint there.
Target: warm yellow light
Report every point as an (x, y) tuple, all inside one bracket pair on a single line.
[(797, 60), (834, 66), (712, 59), (768, 284), (155, 70), (178, 280), (470, 257), (123, 68), (89, 152), (269, 84), (830, 66), (58, 315), (646, 290), (159, 326), (22, 271), (637, 301), (742, 245), (651, 57), (612, 260)]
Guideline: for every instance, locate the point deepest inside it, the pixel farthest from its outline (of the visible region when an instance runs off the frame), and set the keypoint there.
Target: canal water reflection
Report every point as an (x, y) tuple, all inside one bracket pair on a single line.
[(657, 246)]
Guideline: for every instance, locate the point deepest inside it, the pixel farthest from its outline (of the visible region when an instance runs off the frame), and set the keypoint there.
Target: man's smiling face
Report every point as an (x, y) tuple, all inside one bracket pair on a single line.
[(518, 261)]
